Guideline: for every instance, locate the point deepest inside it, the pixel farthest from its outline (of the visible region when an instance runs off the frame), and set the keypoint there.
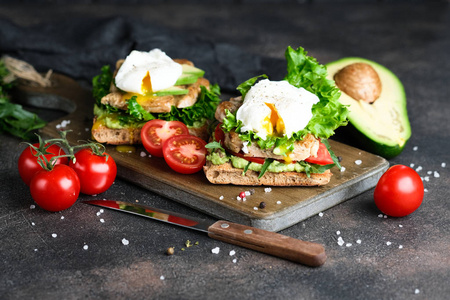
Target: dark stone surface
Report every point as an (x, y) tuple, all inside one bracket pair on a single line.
[(412, 41)]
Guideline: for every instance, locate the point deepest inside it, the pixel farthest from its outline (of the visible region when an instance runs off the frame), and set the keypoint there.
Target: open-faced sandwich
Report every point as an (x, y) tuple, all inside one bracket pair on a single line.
[(146, 86), (276, 132)]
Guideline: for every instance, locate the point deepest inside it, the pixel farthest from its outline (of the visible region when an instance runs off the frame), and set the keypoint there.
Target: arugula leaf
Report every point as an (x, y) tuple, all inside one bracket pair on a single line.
[(246, 85), (214, 145), (266, 164), (314, 168), (333, 156), (13, 118), (246, 168)]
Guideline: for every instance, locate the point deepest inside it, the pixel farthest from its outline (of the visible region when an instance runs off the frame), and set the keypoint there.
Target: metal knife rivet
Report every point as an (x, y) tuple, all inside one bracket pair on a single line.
[(225, 225), (248, 231)]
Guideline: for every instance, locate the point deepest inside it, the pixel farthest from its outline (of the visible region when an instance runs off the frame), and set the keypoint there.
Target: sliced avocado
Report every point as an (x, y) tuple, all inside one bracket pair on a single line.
[(381, 127), (185, 79), (174, 90), (188, 69)]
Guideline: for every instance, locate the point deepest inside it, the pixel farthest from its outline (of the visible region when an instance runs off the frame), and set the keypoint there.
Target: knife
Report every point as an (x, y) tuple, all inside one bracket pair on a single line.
[(307, 253)]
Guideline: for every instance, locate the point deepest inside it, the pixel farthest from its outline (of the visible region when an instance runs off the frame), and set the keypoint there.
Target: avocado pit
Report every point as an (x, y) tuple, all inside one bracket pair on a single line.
[(360, 81)]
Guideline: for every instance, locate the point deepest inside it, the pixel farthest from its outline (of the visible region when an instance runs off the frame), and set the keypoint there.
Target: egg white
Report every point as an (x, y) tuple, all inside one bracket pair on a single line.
[(291, 107), (146, 72)]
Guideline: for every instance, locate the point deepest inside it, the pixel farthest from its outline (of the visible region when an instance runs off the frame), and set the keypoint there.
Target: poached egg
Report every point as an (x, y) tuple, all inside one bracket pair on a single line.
[(276, 108), (146, 72)]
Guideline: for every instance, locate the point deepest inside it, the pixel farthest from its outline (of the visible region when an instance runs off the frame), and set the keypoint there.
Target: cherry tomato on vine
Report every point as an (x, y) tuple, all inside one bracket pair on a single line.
[(323, 156), (155, 132), (55, 190), (28, 165), (96, 173), (185, 154), (399, 192)]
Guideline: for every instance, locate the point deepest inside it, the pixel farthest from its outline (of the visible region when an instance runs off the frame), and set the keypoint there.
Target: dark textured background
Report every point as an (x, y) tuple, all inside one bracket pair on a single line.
[(243, 38)]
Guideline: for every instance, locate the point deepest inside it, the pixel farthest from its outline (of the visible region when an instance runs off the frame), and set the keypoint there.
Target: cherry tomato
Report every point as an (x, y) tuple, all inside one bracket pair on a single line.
[(219, 135), (155, 132), (55, 190), (399, 192), (96, 173), (323, 156), (185, 154), (28, 165)]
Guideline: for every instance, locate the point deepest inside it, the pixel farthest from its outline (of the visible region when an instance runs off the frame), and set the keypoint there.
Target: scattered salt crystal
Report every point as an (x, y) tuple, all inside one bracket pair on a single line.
[(426, 178), (247, 193), (238, 198), (340, 241), (62, 217), (221, 198), (98, 213), (400, 247), (125, 241), (388, 243), (267, 190), (32, 224), (278, 202), (436, 174), (102, 211), (443, 164), (425, 190), (348, 244), (87, 129), (338, 232), (400, 225), (85, 247), (32, 206), (380, 215), (232, 252), (321, 214), (234, 261), (255, 208), (215, 250), (54, 235), (430, 172), (342, 169), (385, 216), (358, 162), (244, 199), (35, 250), (143, 154), (411, 165), (419, 168), (358, 241), (102, 220), (415, 148), (416, 291), (162, 277)]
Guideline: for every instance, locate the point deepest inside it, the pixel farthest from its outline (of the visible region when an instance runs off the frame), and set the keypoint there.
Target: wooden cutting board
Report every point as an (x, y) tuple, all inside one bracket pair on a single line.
[(285, 206)]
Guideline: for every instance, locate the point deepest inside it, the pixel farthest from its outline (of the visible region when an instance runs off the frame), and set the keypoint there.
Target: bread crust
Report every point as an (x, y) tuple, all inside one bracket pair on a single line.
[(227, 174)]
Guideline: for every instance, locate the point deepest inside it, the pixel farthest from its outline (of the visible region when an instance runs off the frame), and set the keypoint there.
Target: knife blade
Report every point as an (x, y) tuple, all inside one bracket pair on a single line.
[(307, 253)]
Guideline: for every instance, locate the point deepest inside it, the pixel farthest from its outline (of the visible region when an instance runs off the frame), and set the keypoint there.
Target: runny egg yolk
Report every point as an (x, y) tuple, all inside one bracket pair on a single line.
[(273, 123), (146, 86)]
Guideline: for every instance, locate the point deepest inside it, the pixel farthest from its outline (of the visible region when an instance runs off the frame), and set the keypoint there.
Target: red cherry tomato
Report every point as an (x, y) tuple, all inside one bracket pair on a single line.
[(323, 156), (55, 190), (185, 154), (28, 165), (399, 192), (155, 132), (96, 173), (219, 135)]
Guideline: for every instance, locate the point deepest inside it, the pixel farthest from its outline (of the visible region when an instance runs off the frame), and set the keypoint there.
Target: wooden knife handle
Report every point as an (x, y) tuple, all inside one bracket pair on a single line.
[(307, 253)]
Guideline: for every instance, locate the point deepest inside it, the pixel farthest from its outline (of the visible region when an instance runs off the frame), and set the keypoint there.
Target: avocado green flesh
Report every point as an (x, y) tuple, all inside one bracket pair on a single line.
[(185, 79), (381, 127), (187, 69), (174, 90)]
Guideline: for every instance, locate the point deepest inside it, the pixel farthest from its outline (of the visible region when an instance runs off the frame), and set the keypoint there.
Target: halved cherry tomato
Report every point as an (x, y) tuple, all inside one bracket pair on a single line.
[(155, 132), (185, 154), (28, 165), (219, 135), (323, 156), (399, 192)]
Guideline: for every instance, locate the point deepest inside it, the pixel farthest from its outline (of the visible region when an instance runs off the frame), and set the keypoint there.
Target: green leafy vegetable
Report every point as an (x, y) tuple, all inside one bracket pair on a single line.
[(247, 85), (266, 164), (101, 84), (13, 118)]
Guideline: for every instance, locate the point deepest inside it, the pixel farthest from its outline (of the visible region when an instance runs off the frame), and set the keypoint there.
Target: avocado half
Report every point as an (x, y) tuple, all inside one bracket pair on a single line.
[(381, 127)]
